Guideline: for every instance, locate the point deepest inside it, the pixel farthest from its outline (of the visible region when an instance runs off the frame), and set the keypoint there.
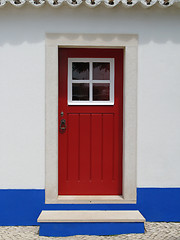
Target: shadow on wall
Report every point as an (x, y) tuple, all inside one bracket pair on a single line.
[(29, 24)]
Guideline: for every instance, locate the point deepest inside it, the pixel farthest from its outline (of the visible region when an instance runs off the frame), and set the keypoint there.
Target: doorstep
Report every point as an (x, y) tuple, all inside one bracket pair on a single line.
[(69, 223)]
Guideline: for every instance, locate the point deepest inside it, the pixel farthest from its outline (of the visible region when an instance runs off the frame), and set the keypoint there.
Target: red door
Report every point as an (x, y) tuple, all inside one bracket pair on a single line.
[(91, 121)]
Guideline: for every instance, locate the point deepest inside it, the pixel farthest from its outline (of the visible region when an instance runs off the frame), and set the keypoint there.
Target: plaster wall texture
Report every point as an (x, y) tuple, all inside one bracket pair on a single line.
[(22, 87)]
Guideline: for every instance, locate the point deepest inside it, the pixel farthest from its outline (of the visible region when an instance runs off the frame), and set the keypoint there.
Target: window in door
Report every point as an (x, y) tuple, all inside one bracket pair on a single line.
[(91, 81)]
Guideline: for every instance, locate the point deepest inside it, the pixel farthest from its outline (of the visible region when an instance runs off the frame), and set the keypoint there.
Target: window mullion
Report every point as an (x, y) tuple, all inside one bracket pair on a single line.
[(90, 82)]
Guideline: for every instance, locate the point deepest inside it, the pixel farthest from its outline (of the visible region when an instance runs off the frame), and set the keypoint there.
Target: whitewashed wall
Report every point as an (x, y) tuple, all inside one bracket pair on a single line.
[(22, 87)]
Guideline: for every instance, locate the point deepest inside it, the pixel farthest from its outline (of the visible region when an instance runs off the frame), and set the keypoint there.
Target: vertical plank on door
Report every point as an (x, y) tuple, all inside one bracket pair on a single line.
[(97, 136), (84, 141), (108, 147), (73, 147)]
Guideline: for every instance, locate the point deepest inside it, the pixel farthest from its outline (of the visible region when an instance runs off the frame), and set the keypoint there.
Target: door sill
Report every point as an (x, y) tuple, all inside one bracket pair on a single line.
[(91, 199)]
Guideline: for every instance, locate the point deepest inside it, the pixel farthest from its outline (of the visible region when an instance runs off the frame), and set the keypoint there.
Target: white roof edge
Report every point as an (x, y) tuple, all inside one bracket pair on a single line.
[(92, 3)]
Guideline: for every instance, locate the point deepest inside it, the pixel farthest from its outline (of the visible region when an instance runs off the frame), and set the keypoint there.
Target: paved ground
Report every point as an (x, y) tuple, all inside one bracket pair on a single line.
[(155, 231)]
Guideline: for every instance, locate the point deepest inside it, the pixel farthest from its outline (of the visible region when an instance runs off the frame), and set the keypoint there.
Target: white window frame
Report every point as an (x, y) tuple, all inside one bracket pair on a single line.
[(128, 42), (90, 81)]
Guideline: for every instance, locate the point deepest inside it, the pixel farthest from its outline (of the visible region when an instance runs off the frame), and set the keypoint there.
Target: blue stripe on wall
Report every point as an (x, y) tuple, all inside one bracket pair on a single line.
[(92, 228), (22, 207), (159, 204)]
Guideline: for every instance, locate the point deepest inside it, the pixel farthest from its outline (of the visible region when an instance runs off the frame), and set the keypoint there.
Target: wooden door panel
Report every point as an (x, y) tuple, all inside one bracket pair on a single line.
[(90, 148)]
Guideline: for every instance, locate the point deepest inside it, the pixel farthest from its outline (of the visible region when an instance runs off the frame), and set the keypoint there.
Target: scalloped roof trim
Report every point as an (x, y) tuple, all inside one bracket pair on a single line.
[(92, 3)]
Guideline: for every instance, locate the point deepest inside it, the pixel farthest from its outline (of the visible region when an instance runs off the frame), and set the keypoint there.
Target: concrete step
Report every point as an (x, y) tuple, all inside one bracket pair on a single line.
[(68, 223)]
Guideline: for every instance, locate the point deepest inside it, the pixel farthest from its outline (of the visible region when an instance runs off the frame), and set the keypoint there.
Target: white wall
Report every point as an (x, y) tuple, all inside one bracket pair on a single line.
[(22, 85)]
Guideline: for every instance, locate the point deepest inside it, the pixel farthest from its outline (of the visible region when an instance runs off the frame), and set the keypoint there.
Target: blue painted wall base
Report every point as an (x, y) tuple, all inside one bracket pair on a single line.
[(70, 229), (23, 206)]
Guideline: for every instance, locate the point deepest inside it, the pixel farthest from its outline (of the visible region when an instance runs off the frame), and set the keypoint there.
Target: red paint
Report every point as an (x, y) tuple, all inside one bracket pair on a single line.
[(90, 149)]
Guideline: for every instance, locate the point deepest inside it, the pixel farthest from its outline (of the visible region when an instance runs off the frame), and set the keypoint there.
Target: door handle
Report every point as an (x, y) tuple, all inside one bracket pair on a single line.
[(63, 124)]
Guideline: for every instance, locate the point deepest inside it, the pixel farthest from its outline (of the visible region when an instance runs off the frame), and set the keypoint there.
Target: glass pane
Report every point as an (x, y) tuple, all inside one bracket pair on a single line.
[(101, 91), (101, 71), (80, 91), (80, 71)]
